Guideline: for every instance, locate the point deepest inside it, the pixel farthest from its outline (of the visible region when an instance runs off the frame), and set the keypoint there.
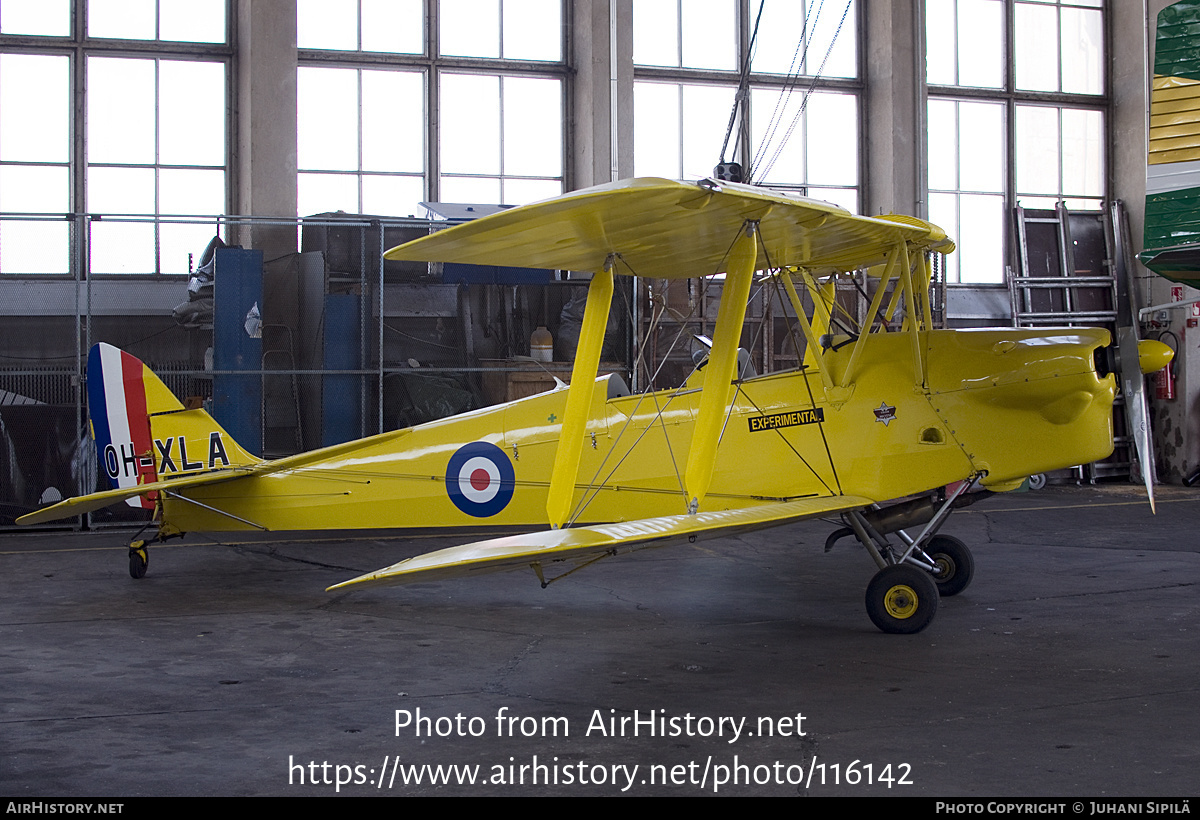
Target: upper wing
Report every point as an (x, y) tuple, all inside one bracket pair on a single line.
[(580, 544), (668, 229)]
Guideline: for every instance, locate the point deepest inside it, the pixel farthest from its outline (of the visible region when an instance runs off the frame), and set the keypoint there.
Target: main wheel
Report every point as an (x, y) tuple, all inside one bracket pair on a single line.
[(902, 599), (955, 561), (139, 559)]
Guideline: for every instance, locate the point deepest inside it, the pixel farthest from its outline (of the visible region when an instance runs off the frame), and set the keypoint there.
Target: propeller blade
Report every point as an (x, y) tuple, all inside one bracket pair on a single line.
[(1137, 413)]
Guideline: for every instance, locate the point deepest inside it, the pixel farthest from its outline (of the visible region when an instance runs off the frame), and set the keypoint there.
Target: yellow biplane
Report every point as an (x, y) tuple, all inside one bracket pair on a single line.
[(887, 411)]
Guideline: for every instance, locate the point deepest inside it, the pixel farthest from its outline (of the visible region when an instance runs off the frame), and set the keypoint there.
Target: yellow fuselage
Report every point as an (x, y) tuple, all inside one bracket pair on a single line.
[(1008, 403)]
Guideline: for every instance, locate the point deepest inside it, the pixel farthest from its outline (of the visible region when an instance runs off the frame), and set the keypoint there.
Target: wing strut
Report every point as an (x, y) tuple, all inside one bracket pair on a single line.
[(579, 396), (812, 351), (722, 364)]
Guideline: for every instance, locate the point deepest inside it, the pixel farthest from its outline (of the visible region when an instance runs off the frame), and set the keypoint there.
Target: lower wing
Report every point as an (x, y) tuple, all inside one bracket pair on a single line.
[(582, 544)]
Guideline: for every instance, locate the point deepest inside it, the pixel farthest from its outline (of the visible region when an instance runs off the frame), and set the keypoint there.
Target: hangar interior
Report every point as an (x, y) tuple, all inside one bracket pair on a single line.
[(313, 135), (305, 134)]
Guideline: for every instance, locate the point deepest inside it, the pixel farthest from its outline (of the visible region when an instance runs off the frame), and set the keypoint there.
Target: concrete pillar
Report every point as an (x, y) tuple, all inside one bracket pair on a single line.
[(1130, 83), (892, 117), (602, 30), (265, 140)]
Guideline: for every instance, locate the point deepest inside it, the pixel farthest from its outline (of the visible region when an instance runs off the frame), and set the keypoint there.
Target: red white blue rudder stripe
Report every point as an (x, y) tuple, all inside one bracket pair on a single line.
[(120, 421)]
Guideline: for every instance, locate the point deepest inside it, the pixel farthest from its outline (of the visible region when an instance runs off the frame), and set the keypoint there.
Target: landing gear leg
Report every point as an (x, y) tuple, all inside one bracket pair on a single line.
[(902, 597), (954, 562)]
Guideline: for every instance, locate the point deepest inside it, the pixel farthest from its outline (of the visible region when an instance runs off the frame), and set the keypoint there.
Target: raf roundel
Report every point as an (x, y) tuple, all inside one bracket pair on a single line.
[(480, 479)]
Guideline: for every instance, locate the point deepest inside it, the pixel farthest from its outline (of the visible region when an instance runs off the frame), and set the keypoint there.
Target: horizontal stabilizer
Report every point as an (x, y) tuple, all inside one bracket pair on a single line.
[(95, 501), (581, 544)]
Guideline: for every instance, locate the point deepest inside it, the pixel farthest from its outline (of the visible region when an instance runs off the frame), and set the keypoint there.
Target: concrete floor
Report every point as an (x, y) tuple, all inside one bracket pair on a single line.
[(1068, 668)]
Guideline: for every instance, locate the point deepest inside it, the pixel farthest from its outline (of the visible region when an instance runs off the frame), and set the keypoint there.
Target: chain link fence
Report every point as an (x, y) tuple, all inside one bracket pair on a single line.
[(294, 333)]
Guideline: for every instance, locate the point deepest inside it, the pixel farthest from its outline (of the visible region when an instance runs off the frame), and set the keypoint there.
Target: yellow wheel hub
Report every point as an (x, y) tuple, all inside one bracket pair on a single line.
[(900, 601)]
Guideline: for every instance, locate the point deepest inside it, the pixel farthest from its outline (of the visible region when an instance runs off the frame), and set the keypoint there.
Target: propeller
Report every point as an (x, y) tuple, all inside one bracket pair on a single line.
[(1134, 360)]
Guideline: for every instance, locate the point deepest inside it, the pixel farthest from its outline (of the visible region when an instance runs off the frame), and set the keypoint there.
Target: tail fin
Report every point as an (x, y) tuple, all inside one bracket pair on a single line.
[(142, 432)]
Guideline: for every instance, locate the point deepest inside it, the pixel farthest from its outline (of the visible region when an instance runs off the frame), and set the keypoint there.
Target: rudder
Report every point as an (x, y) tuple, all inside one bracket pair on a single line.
[(143, 433)]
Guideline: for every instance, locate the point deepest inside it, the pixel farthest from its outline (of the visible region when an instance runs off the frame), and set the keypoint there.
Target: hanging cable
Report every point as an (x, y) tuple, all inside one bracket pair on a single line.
[(739, 98), (790, 81), (754, 173)]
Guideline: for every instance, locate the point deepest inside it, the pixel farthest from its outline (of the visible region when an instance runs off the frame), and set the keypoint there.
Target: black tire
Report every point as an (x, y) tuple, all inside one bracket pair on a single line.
[(902, 600), (956, 561), (139, 559)]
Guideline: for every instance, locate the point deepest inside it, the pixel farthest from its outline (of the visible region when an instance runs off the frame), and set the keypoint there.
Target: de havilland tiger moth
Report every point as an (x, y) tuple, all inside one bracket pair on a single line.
[(892, 409)]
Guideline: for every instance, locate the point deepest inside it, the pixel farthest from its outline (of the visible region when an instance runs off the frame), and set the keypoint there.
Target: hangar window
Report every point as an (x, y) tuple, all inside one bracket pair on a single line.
[(39, 18), (99, 191), (390, 26), (155, 147), (828, 48), (679, 128), (493, 72), (504, 29), (1015, 117), (196, 21), (695, 34), (360, 141), (35, 169), (501, 138), (798, 125)]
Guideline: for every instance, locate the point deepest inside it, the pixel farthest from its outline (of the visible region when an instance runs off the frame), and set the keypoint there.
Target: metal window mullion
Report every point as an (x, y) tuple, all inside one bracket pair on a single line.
[(500, 46), (433, 116), (1010, 46), (77, 173), (77, 164), (1010, 127), (1010, 173), (954, 41), (379, 325), (157, 155), (500, 91), (744, 33), (359, 130), (1058, 44), (920, 115), (232, 117), (679, 43), (1059, 111), (679, 141)]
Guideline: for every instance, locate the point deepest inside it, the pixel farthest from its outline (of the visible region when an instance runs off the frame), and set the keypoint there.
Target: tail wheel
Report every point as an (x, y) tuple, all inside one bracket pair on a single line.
[(901, 599), (954, 560), (139, 559)]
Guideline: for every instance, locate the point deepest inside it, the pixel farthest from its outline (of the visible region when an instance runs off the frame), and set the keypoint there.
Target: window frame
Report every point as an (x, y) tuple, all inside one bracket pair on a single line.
[(432, 65), (1011, 97), (743, 26), (78, 47)]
